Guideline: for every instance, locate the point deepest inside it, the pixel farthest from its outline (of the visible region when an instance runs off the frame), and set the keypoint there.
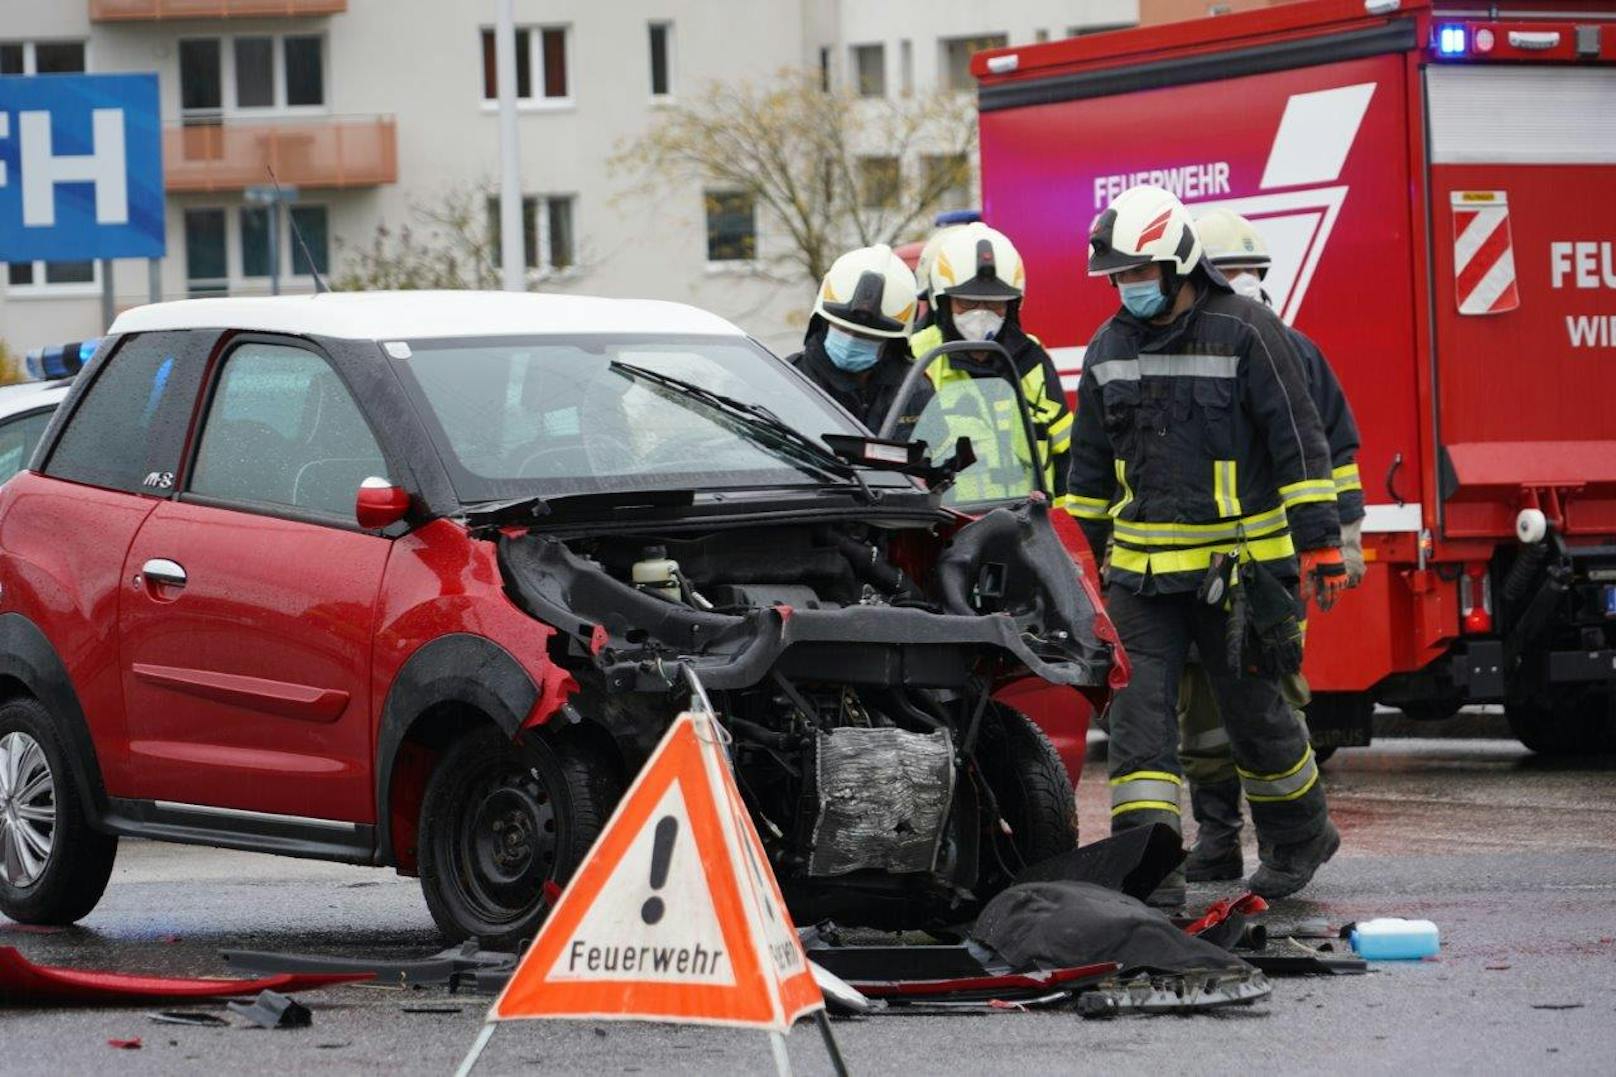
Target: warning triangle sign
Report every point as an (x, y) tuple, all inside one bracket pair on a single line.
[(674, 915)]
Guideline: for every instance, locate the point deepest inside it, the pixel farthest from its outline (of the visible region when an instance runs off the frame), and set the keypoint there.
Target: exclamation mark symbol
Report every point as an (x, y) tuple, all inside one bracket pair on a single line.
[(667, 829)]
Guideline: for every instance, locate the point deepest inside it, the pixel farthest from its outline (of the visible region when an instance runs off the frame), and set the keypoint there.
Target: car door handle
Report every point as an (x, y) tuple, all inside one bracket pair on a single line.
[(162, 570)]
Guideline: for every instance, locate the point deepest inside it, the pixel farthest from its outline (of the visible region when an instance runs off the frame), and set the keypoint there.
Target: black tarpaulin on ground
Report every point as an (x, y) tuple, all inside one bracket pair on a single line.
[(1062, 924), (1134, 861)]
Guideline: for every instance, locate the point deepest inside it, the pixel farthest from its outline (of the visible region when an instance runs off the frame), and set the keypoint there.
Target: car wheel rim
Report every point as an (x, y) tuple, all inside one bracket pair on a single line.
[(507, 841), (27, 809)]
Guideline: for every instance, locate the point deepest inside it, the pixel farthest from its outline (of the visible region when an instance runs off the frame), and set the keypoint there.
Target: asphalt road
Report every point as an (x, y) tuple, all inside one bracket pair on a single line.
[(1514, 858)]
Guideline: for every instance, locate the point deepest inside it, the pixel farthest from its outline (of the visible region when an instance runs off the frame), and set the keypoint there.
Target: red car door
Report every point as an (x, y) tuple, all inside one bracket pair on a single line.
[(246, 640)]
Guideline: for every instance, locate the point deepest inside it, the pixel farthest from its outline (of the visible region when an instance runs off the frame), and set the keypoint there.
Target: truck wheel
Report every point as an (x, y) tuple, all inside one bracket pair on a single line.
[(1030, 783), (1334, 717), (499, 822), (54, 865), (1565, 724), (1430, 710)]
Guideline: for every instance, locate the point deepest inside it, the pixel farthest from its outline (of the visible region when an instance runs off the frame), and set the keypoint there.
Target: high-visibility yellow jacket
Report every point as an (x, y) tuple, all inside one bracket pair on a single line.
[(1040, 384)]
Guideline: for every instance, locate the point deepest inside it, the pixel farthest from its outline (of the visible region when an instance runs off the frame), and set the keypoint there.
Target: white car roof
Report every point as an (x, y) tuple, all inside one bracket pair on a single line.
[(425, 314), (31, 395)]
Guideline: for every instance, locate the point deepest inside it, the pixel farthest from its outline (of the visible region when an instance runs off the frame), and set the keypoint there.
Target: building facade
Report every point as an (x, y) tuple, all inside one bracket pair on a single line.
[(381, 114)]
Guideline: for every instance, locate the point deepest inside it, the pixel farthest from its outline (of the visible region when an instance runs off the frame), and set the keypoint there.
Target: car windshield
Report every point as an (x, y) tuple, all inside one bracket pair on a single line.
[(549, 416)]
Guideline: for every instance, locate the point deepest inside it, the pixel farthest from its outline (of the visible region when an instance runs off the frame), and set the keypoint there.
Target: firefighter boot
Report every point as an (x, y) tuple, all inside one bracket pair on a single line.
[(1169, 897), (1286, 869), (1216, 854)]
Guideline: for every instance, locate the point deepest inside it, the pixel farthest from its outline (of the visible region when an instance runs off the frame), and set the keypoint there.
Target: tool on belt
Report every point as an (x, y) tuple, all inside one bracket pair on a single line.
[(1264, 632)]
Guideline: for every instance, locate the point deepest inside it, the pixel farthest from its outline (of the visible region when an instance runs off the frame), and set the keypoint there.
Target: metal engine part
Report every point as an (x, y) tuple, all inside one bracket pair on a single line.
[(883, 798)]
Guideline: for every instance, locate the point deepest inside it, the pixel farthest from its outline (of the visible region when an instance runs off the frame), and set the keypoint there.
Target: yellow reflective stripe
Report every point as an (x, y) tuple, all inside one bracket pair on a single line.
[(1147, 776), (1144, 533), (1146, 805), (1300, 493), (1122, 481), (1291, 785), (1306, 755), (1061, 426), (1225, 488), (1346, 478), (1088, 508), (1161, 562)]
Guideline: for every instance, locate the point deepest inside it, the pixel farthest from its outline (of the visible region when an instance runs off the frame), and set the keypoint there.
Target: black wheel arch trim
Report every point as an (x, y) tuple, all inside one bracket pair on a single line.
[(28, 656), (460, 668)]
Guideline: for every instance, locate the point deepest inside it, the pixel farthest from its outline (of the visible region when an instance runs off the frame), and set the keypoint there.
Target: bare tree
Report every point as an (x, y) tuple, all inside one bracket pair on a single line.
[(450, 245), (830, 169)]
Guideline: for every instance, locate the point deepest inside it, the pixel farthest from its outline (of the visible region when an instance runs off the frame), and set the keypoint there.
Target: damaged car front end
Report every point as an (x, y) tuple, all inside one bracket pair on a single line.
[(688, 521)]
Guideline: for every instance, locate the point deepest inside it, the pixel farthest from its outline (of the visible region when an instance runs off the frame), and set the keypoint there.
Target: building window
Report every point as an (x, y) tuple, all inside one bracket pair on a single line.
[(1040, 35), (824, 70), (870, 70), (731, 226), (661, 59), (547, 244), (539, 50), (260, 71), (880, 180), (949, 175), (205, 264), (906, 66), (1098, 28), (45, 58), (957, 53), (255, 242), (311, 222)]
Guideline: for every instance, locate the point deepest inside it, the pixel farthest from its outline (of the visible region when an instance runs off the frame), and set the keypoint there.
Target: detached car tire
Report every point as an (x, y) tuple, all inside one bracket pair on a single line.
[(500, 820), (1030, 783), (54, 865)]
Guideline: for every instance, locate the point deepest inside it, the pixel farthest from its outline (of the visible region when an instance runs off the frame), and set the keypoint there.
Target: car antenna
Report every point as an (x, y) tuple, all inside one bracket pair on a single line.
[(297, 233)]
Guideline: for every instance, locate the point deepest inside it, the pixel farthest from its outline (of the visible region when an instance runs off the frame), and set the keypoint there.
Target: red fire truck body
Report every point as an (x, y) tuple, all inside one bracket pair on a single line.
[(1438, 192)]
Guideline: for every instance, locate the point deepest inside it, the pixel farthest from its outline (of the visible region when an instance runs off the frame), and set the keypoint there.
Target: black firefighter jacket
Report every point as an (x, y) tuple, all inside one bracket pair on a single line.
[(870, 394), (1340, 428), (1199, 437)]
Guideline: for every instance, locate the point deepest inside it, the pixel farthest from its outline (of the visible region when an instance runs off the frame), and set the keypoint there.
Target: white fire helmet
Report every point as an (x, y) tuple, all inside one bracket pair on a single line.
[(1145, 224), (928, 255), (1232, 242), (869, 291), (978, 262)]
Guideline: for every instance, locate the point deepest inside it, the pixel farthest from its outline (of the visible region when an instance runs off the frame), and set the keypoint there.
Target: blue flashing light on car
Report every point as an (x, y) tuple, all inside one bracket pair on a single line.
[(59, 360), (1451, 40)]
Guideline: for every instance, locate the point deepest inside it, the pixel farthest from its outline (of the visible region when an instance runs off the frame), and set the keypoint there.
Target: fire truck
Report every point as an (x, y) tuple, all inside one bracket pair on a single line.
[(1437, 186)]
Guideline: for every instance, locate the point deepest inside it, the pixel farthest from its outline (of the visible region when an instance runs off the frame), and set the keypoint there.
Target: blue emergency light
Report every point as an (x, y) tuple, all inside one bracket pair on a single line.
[(957, 216), (59, 360), (1451, 41)]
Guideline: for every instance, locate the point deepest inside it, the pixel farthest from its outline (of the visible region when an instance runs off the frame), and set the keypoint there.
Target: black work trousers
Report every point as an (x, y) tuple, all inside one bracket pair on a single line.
[(1271, 753)]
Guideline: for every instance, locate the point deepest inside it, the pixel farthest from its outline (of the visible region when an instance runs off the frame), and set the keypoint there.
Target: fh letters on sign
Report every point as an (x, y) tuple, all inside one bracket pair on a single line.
[(81, 168)]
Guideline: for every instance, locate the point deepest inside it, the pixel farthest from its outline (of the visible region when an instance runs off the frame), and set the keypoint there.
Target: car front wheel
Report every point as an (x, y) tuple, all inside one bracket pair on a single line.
[(500, 821), (54, 866)]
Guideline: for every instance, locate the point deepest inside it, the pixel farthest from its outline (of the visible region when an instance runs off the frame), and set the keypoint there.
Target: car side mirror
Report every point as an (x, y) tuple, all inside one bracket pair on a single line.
[(380, 503)]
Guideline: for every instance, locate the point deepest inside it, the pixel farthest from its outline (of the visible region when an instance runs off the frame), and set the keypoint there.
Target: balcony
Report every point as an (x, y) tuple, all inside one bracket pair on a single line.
[(159, 10), (331, 151)]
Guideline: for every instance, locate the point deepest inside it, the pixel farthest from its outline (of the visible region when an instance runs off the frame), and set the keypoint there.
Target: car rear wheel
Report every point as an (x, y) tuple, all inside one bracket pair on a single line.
[(500, 821), (1030, 783), (54, 865)]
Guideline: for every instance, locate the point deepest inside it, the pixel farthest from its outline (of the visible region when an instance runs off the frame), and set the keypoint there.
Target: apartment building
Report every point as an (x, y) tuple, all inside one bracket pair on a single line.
[(377, 109)]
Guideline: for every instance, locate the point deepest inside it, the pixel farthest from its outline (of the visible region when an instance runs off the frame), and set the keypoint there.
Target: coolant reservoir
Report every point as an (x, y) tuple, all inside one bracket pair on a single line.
[(657, 573)]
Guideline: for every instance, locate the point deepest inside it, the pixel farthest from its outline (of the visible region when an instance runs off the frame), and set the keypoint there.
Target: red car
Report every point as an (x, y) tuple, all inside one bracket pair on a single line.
[(419, 580)]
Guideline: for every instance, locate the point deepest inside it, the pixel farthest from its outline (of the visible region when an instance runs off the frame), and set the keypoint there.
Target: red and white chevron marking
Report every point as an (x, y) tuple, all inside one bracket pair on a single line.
[(1483, 253)]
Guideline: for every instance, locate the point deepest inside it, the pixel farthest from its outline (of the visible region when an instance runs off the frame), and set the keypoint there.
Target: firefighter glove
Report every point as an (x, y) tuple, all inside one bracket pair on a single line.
[(1324, 576)]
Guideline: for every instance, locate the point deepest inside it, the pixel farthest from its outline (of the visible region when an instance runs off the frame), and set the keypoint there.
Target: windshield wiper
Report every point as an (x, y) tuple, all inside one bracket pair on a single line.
[(758, 420)]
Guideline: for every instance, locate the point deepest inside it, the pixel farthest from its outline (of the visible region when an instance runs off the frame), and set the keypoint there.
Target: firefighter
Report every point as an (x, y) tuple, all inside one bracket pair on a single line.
[(857, 346), (1198, 453), (977, 282), (1231, 243), (928, 254)]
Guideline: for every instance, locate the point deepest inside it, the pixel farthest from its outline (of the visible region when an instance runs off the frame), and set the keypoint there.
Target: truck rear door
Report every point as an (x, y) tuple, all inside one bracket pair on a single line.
[(1523, 234)]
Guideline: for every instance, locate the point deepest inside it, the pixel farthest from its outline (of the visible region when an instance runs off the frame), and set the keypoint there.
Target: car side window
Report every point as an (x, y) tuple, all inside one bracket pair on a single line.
[(282, 430), (18, 437), (127, 431)]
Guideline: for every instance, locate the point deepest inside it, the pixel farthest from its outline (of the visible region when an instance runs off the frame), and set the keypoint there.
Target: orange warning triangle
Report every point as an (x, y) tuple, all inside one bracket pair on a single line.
[(674, 915)]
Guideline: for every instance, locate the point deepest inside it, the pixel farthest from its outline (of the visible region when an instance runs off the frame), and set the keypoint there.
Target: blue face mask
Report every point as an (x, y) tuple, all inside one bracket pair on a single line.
[(850, 353), (1143, 298)]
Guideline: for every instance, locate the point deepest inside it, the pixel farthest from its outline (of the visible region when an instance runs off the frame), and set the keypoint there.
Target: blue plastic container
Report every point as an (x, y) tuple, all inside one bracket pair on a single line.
[(1392, 938)]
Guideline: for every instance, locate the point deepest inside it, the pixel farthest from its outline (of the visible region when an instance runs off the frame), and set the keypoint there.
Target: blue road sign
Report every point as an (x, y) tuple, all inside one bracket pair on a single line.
[(81, 168)]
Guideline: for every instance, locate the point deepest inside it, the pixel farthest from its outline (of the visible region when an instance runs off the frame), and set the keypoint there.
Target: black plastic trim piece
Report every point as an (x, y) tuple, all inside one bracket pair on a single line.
[(27, 655), (459, 668), (1398, 36), (280, 835)]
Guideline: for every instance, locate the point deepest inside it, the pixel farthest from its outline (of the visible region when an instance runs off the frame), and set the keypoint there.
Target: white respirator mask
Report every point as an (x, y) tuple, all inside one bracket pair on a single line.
[(1248, 285), (978, 324)]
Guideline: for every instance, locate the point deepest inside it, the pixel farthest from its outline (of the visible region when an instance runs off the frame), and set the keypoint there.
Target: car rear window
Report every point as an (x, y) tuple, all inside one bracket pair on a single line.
[(129, 429)]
